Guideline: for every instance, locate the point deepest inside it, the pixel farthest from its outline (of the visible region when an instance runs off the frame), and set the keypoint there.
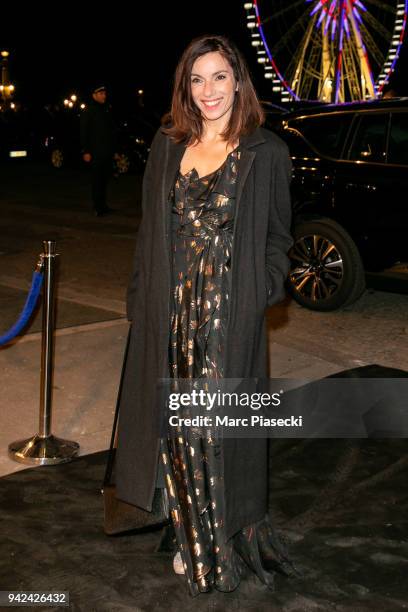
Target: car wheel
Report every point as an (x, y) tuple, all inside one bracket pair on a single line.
[(122, 163), (57, 158), (326, 268)]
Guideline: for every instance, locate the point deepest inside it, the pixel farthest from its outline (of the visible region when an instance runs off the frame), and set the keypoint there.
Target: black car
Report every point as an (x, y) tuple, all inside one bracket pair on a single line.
[(349, 197)]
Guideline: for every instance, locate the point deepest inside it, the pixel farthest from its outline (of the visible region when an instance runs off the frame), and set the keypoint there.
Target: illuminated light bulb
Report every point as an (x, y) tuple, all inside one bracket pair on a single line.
[(66, 102), (11, 87), (70, 104), (12, 105), (82, 106), (74, 98), (140, 92)]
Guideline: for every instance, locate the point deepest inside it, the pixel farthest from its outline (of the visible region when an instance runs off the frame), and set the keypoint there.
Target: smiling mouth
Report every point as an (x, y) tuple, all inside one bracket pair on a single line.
[(211, 103)]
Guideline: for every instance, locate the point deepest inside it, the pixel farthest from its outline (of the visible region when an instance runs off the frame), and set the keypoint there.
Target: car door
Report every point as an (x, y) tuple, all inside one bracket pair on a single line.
[(397, 174), (362, 186), (315, 143)]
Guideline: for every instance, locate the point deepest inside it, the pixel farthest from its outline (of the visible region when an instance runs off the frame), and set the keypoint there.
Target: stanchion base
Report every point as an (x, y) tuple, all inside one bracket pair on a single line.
[(43, 451)]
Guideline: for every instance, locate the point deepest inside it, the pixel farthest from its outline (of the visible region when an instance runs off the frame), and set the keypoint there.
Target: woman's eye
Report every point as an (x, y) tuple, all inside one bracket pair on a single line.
[(221, 76), (195, 80)]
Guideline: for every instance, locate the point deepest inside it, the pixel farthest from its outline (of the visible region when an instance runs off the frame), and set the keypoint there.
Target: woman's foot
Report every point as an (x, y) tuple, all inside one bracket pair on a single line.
[(178, 564)]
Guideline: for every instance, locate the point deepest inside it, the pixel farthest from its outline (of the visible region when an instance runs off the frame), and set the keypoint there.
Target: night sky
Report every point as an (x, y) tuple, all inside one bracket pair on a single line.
[(64, 48)]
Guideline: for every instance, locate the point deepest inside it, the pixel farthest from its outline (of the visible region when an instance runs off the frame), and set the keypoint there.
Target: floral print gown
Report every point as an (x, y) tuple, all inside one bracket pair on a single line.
[(192, 459)]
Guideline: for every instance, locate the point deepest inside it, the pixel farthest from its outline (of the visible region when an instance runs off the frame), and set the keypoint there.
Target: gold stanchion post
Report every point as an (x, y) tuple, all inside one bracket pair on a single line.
[(44, 448)]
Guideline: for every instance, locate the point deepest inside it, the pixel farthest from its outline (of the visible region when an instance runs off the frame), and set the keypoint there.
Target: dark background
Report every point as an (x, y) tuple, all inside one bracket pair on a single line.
[(66, 47), (55, 52)]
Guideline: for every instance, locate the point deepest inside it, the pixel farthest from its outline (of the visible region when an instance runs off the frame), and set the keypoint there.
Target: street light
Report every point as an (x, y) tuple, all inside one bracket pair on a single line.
[(6, 88)]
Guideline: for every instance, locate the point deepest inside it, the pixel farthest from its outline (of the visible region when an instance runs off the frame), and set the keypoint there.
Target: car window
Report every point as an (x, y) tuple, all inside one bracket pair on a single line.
[(398, 142), (369, 143), (297, 146), (326, 133)]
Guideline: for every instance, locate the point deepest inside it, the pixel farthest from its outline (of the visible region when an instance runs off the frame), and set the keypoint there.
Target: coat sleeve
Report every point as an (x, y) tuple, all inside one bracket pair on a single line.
[(147, 189), (279, 238)]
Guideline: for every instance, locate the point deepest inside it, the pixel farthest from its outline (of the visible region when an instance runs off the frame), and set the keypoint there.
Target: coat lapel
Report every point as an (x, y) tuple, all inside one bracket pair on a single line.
[(175, 155), (247, 158)]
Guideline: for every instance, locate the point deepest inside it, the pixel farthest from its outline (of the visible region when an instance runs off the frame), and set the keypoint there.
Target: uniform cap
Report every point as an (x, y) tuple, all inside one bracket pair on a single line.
[(99, 88)]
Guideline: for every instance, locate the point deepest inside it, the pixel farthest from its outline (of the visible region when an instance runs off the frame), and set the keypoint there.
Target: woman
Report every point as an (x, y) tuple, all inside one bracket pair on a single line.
[(211, 254)]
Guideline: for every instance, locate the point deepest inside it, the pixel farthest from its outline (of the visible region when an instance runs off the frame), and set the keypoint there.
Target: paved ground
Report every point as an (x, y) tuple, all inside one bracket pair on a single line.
[(95, 262)]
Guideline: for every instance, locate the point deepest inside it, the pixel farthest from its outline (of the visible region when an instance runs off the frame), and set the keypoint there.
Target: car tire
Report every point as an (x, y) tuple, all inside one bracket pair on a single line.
[(57, 158), (326, 268)]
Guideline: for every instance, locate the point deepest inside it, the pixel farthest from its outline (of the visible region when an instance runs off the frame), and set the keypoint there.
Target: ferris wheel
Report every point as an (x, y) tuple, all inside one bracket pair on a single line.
[(328, 50)]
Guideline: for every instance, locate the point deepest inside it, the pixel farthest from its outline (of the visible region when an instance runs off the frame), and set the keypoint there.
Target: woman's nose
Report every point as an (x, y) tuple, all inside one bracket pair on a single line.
[(208, 88)]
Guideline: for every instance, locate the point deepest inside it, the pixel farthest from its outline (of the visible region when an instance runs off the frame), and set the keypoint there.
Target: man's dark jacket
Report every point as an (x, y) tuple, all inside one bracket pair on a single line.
[(259, 268), (98, 131)]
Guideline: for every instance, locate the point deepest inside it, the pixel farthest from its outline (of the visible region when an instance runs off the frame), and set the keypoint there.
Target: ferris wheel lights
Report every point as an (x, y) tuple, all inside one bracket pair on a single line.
[(268, 75), (357, 15), (342, 29), (256, 43)]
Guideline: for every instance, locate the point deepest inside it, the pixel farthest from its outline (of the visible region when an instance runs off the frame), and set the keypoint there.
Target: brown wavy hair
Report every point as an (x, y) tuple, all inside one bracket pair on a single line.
[(184, 120)]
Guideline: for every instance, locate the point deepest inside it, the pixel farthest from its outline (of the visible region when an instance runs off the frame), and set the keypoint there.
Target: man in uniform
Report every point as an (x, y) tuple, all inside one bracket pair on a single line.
[(98, 146)]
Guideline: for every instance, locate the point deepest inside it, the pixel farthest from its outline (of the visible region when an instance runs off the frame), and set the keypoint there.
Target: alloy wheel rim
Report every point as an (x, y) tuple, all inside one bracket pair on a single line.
[(317, 270)]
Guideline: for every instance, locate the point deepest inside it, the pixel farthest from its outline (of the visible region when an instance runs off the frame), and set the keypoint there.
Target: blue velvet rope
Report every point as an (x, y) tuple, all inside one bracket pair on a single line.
[(27, 311)]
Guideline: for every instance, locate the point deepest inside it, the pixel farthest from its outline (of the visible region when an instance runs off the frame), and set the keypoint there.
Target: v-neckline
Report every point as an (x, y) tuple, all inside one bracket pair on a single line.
[(187, 174)]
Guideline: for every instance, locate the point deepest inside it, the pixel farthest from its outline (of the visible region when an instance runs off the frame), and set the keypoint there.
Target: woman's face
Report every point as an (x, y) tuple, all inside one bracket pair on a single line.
[(213, 86)]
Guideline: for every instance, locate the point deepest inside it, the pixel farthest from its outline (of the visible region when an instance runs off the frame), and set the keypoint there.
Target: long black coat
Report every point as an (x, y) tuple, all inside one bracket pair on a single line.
[(258, 271)]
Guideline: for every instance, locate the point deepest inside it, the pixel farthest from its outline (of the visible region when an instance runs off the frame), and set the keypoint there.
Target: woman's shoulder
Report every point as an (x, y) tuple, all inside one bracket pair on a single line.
[(158, 142), (266, 141), (272, 140)]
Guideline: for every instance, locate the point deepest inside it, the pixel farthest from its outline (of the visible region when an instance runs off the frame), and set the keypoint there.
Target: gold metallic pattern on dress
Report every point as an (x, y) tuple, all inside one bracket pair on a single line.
[(192, 458)]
